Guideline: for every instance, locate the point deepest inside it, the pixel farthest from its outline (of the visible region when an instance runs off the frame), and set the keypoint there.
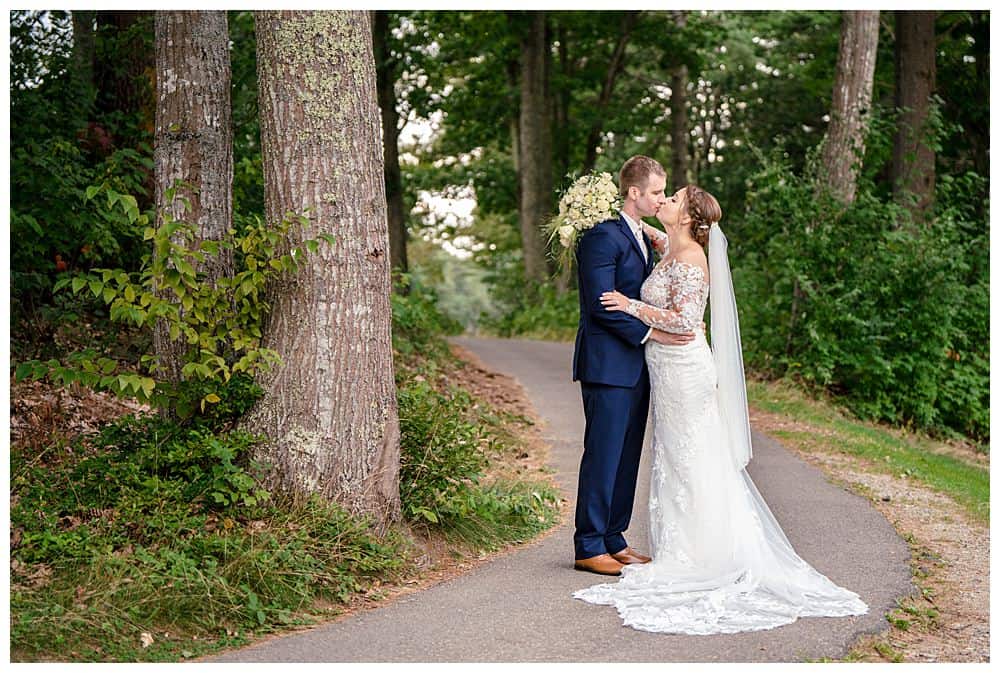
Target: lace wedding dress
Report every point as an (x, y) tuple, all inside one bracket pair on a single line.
[(721, 563)]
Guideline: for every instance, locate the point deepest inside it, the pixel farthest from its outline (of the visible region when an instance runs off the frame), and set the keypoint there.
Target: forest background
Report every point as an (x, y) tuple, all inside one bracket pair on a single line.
[(849, 151)]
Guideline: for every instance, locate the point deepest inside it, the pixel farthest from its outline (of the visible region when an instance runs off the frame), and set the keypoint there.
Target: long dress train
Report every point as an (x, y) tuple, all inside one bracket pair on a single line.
[(721, 563)]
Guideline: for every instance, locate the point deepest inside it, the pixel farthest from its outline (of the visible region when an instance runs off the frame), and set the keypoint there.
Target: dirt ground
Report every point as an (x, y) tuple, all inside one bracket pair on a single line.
[(950, 621)]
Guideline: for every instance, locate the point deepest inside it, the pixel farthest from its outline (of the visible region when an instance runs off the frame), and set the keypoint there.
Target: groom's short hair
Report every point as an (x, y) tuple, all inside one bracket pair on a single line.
[(636, 171)]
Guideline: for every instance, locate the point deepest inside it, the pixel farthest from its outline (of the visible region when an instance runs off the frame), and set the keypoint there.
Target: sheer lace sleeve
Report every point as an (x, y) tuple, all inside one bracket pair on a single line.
[(686, 298)]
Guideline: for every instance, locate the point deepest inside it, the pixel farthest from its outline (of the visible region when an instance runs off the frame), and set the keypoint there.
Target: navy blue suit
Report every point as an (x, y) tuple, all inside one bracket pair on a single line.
[(609, 361)]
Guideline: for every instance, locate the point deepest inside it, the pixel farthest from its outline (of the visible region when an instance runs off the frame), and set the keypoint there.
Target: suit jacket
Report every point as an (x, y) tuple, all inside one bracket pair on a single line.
[(608, 343)]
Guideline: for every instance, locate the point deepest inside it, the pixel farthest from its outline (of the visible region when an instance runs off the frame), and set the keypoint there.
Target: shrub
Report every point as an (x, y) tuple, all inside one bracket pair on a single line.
[(861, 301)]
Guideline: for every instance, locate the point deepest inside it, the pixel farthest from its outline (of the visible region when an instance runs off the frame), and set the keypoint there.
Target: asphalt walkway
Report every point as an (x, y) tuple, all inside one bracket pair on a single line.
[(518, 608)]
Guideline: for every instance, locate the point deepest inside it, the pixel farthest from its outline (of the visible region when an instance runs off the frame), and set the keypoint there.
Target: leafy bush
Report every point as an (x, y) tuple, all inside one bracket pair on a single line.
[(220, 322), (541, 314), (861, 301), (445, 450), (417, 323), (163, 524)]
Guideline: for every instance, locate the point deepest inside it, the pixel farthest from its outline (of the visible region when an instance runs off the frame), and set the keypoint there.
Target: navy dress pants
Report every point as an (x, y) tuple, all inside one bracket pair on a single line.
[(612, 445)]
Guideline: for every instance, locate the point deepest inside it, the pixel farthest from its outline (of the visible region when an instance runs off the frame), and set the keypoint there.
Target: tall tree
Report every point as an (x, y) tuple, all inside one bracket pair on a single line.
[(535, 155), (83, 48), (329, 414), (679, 131), (193, 142), (387, 68), (124, 65), (615, 66), (913, 170), (844, 146)]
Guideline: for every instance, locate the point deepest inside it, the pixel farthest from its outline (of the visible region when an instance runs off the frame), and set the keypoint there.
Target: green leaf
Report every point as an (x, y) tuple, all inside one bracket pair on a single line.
[(96, 287), (129, 294), (213, 398), (92, 190), (109, 295), (313, 245), (23, 370), (148, 385), (78, 283), (148, 234)]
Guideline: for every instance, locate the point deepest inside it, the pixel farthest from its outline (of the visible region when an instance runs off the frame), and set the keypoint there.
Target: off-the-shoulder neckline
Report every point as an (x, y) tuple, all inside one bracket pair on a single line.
[(671, 262)]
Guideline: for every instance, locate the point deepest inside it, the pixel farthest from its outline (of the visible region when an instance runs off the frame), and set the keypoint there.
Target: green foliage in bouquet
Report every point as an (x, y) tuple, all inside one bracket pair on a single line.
[(591, 199)]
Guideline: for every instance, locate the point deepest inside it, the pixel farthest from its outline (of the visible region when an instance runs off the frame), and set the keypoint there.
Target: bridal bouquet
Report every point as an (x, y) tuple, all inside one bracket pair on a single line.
[(591, 199)]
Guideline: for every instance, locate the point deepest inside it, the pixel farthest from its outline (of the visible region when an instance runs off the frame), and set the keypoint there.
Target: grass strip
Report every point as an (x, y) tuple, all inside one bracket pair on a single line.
[(821, 426)]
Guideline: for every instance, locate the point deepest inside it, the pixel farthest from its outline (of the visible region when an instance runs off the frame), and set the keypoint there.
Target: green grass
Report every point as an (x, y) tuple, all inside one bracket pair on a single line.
[(884, 449)]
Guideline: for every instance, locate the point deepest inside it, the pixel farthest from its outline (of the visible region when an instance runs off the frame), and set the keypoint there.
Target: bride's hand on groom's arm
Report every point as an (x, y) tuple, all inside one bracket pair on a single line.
[(614, 301)]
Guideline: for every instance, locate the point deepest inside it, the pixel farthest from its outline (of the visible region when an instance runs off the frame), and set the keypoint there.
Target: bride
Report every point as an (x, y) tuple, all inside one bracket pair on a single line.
[(721, 563)]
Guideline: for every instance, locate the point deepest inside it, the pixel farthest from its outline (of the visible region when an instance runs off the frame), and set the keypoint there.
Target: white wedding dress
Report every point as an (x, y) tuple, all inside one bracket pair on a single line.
[(721, 563)]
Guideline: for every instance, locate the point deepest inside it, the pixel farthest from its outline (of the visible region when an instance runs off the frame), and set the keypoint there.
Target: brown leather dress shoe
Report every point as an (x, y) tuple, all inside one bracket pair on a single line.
[(629, 555), (602, 565)]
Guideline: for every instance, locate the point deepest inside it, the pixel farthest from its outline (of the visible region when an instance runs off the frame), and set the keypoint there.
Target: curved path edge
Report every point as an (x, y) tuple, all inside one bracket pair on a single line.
[(518, 607)]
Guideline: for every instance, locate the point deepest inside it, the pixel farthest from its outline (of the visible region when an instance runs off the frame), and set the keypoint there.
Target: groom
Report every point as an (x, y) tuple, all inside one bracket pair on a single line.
[(610, 364)]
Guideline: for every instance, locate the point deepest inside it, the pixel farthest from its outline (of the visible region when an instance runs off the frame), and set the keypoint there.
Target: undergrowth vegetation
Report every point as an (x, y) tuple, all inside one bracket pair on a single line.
[(153, 540)]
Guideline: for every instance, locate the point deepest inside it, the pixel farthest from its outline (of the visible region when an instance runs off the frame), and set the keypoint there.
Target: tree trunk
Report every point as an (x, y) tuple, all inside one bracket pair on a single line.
[(679, 131), (193, 143), (83, 49), (513, 68), (979, 134), (615, 67), (329, 413), (124, 64), (844, 147), (386, 68), (561, 102), (913, 159), (536, 142)]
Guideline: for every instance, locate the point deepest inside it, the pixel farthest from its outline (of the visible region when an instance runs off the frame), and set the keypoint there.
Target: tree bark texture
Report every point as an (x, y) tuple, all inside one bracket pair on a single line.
[(844, 147), (193, 143), (679, 131), (561, 101), (329, 413), (615, 66), (124, 66), (84, 48), (535, 153), (386, 67), (913, 173)]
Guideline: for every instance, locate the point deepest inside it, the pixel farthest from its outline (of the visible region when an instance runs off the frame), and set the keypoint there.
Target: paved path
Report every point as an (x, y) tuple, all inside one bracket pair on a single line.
[(518, 608)]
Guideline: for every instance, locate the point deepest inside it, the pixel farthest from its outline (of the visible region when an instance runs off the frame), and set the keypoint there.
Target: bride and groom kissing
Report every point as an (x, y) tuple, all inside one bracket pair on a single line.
[(720, 561)]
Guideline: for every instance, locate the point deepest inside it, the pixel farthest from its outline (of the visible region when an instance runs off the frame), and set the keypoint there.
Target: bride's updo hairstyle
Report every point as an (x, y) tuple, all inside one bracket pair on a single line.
[(704, 211)]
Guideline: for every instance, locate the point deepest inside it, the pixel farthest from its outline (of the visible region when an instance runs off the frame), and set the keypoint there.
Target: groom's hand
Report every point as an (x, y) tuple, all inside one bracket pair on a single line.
[(671, 339)]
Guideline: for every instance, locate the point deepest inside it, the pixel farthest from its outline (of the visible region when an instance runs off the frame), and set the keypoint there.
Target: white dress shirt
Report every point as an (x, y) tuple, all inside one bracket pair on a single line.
[(637, 232)]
